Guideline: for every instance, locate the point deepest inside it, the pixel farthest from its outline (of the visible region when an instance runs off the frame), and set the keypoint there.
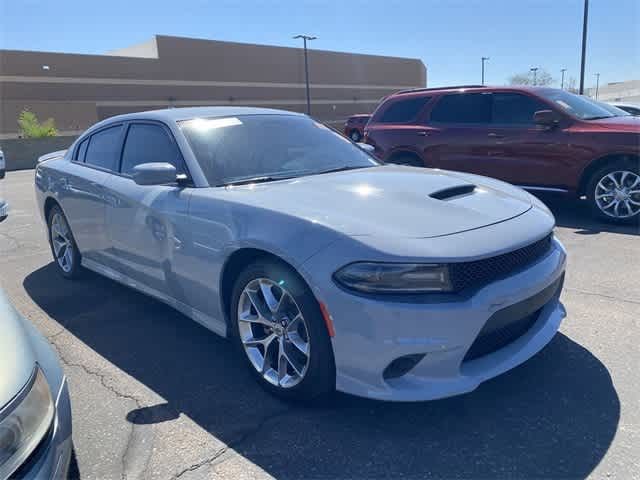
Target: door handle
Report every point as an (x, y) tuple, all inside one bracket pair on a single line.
[(495, 135), (423, 133)]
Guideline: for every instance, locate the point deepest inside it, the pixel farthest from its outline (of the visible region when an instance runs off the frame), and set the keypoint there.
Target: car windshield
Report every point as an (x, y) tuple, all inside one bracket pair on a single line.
[(577, 105), (268, 147), (613, 110)]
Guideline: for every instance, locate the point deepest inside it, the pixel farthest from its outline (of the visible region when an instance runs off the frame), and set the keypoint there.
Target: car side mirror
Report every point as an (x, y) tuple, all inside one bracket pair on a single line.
[(367, 148), (159, 173), (546, 118)]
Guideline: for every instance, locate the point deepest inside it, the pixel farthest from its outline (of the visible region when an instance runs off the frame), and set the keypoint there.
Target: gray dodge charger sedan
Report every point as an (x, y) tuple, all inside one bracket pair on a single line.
[(327, 269)]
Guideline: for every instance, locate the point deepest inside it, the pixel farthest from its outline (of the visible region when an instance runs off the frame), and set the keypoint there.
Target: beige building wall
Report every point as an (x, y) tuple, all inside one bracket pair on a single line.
[(77, 90)]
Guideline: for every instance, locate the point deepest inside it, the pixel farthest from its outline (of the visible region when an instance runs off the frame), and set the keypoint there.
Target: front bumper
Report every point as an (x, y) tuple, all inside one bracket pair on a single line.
[(372, 333), (51, 458)]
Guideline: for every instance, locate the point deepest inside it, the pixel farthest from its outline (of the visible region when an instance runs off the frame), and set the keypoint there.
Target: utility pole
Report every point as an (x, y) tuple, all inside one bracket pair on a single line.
[(597, 84), (306, 67), (562, 81), (484, 59), (584, 44), (535, 71)]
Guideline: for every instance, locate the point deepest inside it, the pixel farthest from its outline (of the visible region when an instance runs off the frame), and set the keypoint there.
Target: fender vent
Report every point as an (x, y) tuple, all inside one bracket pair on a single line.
[(447, 193)]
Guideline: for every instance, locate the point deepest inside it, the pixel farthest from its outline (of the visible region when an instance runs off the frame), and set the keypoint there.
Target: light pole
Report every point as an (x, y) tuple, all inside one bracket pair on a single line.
[(484, 59), (584, 44), (562, 81), (597, 84), (306, 67), (535, 71)]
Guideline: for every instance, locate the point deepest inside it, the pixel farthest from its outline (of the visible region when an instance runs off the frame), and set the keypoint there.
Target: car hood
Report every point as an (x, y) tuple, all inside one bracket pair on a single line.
[(391, 201), (620, 124), (17, 358)]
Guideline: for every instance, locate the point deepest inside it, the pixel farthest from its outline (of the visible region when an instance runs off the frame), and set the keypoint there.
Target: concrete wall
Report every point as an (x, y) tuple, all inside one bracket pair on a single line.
[(22, 154), (76, 90)]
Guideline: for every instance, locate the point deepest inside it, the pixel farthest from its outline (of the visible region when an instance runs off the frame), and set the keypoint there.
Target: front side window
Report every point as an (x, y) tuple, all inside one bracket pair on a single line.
[(147, 143), (104, 148), (231, 149), (403, 111), (515, 108), (463, 108)]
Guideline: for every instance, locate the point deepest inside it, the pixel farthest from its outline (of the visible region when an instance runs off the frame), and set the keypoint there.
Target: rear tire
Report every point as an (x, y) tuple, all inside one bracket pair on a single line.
[(262, 333), (355, 136), (613, 192), (66, 255), (406, 159)]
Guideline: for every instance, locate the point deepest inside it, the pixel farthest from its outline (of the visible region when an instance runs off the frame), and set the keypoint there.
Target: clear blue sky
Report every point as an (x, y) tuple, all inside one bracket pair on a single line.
[(449, 36)]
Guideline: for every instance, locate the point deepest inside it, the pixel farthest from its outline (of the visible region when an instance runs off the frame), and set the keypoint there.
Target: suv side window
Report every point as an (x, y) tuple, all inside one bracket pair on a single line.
[(515, 108), (403, 111), (104, 148), (81, 150), (463, 108), (148, 143)]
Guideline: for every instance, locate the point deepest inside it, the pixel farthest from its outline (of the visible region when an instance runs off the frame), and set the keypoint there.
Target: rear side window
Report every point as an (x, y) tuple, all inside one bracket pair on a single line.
[(104, 148), (515, 108), (81, 150), (147, 143), (463, 108), (403, 111)]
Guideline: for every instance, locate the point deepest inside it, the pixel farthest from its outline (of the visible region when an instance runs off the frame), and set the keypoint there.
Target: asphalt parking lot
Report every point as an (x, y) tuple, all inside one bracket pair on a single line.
[(154, 395)]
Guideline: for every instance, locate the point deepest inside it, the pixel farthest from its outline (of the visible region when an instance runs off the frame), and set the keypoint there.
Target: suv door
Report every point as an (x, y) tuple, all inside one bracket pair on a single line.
[(395, 126), (461, 121), (520, 151), (82, 193), (145, 221)]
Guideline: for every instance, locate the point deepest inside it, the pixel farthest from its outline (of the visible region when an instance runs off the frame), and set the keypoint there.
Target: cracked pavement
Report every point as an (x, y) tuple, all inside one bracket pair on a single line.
[(154, 395)]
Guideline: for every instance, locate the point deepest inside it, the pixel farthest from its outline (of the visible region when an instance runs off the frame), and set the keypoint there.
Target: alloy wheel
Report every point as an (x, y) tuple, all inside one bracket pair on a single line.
[(62, 242), (274, 333), (617, 194)]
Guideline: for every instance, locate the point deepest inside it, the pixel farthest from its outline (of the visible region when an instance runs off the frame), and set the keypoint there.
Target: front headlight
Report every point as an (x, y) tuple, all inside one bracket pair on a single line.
[(371, 277), (24, 422)]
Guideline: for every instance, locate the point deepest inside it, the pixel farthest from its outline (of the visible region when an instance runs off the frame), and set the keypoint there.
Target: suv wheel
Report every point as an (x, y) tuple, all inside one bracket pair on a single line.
[(406, 159), (277, 324), (355, 135), (63, 246), (614, 193)]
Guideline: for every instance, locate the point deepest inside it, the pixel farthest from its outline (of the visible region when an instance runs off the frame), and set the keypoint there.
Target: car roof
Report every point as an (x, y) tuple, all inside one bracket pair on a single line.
[(187, 113), (467, 88)]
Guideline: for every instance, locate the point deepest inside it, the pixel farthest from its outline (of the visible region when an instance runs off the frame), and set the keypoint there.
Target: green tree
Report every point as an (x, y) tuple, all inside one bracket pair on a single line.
[(30, 126)]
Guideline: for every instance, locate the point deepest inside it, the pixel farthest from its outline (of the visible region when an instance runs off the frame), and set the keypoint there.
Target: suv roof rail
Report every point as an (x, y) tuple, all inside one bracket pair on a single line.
[(431, 89)]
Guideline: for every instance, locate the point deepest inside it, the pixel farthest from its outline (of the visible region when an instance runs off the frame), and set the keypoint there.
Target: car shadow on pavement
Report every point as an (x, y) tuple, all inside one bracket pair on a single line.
[(554, 416), (576, 214)]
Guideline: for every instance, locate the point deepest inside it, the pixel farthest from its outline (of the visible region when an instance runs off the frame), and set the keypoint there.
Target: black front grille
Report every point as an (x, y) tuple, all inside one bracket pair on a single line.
[(507, 325), (475, 274)]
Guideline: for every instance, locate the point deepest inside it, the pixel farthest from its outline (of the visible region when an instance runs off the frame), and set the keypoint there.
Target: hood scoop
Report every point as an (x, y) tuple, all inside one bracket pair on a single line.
[(452, 192)]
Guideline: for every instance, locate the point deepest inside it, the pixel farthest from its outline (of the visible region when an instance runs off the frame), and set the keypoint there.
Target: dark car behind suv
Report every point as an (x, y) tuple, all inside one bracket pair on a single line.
[(539, 138), (354, 126)]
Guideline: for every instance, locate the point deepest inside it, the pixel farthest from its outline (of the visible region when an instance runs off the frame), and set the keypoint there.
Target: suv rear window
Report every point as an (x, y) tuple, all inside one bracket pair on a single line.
[(463, 108), (403, 111)]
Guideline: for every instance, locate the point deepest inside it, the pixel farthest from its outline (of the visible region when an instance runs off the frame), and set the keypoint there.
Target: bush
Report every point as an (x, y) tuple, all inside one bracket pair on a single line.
[(30, 126)]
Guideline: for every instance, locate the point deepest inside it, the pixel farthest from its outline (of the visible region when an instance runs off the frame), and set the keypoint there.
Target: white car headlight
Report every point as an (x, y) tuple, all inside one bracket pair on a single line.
[(371, 277), (24, 422)]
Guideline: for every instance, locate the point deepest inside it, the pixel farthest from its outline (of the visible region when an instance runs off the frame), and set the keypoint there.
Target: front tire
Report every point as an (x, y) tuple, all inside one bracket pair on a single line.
[(63, 246), (613, 193), (277, 325)]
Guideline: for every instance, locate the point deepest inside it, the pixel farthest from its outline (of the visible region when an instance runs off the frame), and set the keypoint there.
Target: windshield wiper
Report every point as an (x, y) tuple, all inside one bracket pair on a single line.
[(339, 169), (598, 117), (246, 181)]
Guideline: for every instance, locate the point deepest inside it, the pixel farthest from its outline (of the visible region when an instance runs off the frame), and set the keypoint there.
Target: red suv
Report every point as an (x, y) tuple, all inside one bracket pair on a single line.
[(354, 126), (539, 138)]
